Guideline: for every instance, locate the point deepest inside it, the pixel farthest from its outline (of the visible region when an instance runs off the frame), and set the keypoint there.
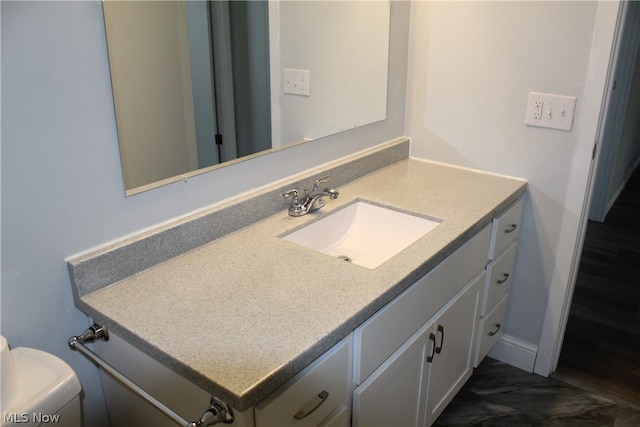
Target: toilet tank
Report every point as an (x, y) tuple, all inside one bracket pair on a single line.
[(41, 389)]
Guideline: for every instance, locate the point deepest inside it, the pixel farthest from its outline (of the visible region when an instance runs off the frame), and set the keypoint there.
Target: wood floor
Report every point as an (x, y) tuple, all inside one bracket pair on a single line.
[(601, 348)]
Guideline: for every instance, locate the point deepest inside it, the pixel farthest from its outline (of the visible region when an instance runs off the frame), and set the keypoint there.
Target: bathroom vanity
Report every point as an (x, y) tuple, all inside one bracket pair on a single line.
[(287, 335)]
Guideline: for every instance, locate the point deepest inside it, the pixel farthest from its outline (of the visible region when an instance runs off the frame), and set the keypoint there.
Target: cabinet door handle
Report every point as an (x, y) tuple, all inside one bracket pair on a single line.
[(441, 330), (302, 414), (432, 338), (511, 229), (492, 333), (505, 277)]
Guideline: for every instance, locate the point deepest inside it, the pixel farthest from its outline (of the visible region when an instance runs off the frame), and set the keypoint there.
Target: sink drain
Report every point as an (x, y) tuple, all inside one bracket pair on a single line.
[(344, 258)]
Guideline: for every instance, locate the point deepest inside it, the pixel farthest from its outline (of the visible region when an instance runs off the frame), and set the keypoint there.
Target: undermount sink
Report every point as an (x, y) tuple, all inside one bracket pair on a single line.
[(363, 233)]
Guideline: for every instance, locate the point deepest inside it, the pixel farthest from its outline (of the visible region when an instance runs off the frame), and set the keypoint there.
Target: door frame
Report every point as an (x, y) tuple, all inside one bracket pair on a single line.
[(626, 54), (598, 105)]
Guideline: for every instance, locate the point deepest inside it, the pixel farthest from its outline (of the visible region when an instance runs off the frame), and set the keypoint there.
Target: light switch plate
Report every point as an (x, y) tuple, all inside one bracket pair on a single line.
[(295, 82), (550, 111)]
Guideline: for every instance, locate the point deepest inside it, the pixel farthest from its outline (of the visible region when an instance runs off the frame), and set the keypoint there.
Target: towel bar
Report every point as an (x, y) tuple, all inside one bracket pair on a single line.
[(217, 412)]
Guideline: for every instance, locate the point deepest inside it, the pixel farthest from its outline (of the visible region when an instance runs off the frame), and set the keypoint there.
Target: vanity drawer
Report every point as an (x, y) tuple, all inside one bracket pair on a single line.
[(491, 329), (323, 385), (505, 230), (499, 277), (390, 327), (341, 417)]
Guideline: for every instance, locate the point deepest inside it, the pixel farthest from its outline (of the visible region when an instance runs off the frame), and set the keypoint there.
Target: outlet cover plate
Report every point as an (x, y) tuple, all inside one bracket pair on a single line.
[(550, 111), (295, 82)]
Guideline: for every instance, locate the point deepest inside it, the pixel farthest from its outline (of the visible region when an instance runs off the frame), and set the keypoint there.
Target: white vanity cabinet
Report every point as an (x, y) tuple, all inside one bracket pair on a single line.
[(502, 253), (414, 355), (401, 367), (384, 332), (348, 345), (391, 395), (451, 362), (416, 377), (418, 381)]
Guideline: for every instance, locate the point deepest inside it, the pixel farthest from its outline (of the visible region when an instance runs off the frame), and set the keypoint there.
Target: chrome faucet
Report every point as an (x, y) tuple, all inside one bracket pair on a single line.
[(309, 202)]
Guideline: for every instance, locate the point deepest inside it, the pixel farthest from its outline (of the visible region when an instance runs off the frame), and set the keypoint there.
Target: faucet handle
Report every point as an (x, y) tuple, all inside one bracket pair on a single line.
[(319, 180), (291, 193)]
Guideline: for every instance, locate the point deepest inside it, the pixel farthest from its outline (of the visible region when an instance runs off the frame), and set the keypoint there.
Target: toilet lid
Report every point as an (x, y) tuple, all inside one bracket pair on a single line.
[(46, 383)]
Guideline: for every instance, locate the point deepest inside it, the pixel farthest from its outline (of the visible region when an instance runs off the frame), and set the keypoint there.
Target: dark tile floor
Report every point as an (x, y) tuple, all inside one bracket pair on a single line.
[(501, 395)]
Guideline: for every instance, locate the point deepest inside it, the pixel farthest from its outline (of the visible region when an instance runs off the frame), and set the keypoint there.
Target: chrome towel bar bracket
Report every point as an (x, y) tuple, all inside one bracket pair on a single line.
[(218, 411)]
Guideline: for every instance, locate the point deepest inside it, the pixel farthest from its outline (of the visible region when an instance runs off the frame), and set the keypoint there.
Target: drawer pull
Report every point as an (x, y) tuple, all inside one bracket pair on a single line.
[(498, 326), (505, 277), (302, 414), (511, 229), (432, 338), (441, 330)]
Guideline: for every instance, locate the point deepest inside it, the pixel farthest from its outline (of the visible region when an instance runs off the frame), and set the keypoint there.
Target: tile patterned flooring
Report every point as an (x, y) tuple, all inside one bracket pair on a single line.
[(501, 395)]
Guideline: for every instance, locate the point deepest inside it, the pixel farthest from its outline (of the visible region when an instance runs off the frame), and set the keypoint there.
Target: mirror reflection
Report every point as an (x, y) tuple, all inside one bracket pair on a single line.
[(199, 84)]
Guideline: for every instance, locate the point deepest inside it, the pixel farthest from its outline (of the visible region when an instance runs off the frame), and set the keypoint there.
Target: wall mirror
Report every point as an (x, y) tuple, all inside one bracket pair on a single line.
[(202, 84)]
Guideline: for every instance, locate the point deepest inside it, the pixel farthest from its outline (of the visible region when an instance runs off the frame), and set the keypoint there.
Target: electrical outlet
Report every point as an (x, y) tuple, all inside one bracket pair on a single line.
[(550, 111), (295, 82), (537, 109)]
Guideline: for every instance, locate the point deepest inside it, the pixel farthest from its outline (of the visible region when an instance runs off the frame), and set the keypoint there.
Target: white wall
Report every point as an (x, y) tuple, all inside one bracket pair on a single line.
[(62, 189), (471, 66)]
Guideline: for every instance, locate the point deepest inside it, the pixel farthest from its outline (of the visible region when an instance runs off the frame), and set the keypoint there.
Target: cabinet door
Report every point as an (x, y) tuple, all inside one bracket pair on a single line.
[(452, 363), (390, 396), (385, 331)]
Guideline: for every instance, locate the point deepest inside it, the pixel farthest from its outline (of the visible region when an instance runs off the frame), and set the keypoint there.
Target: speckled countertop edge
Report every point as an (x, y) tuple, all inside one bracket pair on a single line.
[(241, 327)]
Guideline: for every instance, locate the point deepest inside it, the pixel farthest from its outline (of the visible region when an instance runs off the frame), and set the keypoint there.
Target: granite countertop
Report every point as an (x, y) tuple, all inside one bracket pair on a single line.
[(243, 314)]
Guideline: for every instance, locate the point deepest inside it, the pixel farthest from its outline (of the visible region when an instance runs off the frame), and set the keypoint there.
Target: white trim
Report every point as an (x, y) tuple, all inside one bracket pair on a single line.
[(515, 352), (615, 196), (599, 78), (275, 73)]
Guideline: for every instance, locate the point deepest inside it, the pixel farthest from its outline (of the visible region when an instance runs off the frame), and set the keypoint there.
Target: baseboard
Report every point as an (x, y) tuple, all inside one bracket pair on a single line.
[(515, 352)]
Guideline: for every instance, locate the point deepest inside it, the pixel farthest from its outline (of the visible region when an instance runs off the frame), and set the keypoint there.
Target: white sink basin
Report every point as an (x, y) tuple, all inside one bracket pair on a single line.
[(363, 233)]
